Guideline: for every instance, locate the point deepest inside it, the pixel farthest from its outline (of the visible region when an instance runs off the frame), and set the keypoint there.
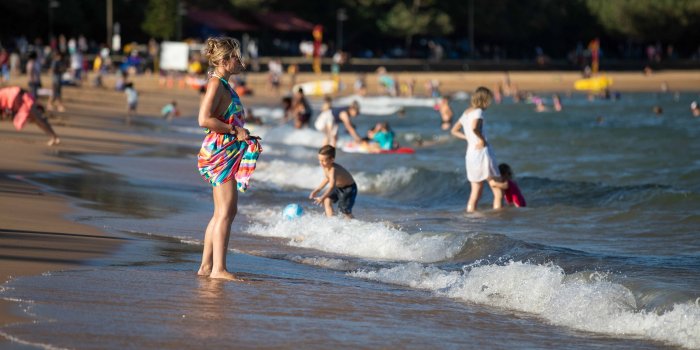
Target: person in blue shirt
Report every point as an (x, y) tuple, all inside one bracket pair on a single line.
[(383, 135)]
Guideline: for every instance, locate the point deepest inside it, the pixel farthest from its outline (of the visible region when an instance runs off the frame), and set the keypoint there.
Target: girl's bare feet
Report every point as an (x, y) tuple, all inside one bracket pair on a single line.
[(54, 141), (225, 275), (204, 271)]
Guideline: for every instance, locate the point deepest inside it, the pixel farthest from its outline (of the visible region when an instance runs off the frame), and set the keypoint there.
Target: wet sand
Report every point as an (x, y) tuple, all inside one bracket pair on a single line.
[(36, 234)]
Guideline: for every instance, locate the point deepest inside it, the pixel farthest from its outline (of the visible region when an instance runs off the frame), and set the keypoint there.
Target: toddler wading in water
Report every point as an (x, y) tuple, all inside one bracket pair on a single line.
[(480, 160), (511, 191)]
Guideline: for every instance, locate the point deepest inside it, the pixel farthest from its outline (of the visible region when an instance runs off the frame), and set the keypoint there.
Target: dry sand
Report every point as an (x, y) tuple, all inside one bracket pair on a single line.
[(35, 233)]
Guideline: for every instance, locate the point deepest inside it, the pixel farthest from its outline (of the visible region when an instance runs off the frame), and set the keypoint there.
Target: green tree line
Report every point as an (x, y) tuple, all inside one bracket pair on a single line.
[(515, 26)]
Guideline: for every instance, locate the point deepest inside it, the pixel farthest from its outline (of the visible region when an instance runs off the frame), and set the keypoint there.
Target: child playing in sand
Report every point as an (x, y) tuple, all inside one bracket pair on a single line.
[(341, 185), (511, 191), (480, 160), (132, 100)]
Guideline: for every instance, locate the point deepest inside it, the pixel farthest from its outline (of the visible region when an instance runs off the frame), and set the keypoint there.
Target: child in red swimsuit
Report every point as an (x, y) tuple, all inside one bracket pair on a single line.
[(511, 191)]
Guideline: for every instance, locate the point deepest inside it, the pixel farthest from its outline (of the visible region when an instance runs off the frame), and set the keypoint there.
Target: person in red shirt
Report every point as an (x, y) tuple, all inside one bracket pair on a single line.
[(20, 106), (511, 191)]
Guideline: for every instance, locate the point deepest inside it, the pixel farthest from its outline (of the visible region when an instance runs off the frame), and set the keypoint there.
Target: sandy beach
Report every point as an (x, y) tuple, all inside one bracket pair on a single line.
[(36, 232)]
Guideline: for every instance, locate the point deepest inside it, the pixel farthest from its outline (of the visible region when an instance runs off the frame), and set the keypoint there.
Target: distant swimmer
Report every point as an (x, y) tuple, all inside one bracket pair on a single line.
[(539, 104), (340, 185), (445, 112), (511, 191), (556, 102), (480, 160), (657, 110), (695, 109), (20, 106)]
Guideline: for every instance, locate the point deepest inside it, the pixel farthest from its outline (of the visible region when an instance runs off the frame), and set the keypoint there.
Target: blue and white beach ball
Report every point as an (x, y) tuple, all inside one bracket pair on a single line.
[(292, 211)]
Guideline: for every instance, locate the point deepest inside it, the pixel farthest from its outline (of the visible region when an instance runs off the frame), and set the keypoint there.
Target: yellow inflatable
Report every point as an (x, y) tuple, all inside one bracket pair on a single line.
[(593, 84), (318, 87)]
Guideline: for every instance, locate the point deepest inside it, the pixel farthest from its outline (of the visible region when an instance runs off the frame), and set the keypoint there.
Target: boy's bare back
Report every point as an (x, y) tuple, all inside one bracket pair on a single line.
[(342, 176)]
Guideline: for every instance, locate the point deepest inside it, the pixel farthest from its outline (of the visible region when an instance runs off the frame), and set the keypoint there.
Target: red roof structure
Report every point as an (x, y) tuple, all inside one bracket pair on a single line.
[(283, 22), (218, 20)]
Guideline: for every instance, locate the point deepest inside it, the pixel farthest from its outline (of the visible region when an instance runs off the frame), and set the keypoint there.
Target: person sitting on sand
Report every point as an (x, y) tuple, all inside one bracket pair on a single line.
[(511, 191), (20, 106), (341, 186)]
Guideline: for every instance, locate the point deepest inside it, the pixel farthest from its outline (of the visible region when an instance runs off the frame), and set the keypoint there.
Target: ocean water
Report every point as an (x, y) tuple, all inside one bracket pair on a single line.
[(607, 253)]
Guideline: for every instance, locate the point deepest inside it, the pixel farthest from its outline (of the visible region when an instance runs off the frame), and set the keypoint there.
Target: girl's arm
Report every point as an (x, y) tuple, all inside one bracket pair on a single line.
[(476, 127), (456, 132), (499, 184)]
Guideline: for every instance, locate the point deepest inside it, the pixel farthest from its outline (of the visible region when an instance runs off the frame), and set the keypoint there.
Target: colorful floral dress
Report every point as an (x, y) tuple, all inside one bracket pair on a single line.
[(222, 157)]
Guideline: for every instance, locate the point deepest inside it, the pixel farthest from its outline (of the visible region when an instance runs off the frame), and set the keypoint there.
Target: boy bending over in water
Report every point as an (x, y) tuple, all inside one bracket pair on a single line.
[(341, 185)]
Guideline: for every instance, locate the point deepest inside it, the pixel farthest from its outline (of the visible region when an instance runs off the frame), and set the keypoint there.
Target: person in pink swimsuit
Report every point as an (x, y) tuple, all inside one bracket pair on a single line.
[(511, 191), (20, 106)]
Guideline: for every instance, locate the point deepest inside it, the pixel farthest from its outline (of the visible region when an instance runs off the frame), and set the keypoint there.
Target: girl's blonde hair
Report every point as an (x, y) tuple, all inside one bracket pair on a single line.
[(482, 97), (218, 49)]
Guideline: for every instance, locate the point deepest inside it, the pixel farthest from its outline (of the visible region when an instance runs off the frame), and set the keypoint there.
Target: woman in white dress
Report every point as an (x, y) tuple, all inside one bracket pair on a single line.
[(480, 161)]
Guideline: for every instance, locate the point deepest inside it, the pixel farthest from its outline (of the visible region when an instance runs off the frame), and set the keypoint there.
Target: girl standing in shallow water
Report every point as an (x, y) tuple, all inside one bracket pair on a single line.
[(480, 161), (224, 153)]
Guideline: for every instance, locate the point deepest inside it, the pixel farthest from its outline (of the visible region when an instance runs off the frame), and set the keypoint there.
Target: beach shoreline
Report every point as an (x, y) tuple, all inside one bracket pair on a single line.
[(36, 232)]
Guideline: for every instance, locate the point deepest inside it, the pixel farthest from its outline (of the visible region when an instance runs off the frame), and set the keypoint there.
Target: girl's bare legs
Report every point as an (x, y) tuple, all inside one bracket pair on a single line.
[(474, 196), (225, 209), (207, 257), (44, 125), (497, 195), (328, 207)]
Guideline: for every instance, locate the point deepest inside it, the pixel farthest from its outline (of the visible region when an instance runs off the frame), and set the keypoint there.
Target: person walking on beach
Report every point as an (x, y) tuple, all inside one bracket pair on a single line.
[(480, 160), (20, 106), (34, 74), (57, 70), (341, 185), (228, 154), (132, 101)]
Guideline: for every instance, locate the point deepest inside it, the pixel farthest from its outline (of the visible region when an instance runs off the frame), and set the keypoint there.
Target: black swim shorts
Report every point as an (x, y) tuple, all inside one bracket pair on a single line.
[(345, 196)]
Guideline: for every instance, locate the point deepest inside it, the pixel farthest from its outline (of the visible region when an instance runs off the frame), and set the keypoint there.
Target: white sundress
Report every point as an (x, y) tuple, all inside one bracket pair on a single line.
[(481, 163)]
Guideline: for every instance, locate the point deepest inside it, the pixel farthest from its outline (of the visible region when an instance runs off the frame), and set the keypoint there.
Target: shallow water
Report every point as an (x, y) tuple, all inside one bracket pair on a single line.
[(605, 255)]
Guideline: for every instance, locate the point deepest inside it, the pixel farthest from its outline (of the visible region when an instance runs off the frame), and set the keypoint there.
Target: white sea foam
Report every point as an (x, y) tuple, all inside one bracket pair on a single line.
[(370, 240), (329, 263), (309, 175), (595, 305), (386, 181), (277, 172)]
